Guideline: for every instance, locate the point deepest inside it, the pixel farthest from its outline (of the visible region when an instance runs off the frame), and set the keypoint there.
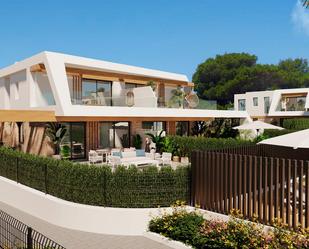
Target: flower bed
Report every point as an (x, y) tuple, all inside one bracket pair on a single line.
[(192, 229)]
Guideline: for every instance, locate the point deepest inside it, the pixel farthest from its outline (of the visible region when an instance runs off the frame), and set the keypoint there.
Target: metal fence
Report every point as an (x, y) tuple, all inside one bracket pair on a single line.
[(269, 187), (16, 235)]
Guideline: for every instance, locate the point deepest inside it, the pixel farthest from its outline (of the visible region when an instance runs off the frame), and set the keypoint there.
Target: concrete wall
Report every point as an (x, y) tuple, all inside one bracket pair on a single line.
[(255, 111)]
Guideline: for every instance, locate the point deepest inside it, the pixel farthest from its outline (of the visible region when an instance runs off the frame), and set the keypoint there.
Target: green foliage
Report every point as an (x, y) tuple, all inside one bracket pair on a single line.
[(185, 145), (269, 133), (56, 133), (65, 151), (137, 141), (97, 185), (152, 84), (296, 124), (221, 77), (191, 228), (158, 140), (177, 98)]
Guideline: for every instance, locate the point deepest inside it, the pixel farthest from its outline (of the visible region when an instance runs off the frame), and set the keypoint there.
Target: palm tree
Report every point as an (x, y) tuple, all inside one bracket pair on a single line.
[(305, 3)]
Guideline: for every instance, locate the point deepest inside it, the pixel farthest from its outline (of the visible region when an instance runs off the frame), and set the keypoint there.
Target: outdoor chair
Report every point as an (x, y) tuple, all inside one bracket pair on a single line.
[(94, 157), (166, 158)]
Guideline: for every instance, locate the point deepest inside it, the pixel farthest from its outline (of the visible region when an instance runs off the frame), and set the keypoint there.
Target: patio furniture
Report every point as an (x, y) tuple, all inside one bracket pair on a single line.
[(104, 153), (94, 157), (166, 158), (136, 158)]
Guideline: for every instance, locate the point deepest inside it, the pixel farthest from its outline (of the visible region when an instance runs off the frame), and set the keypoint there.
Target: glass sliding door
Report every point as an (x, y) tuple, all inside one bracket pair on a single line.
[(114, 134), (78, 140), (106, 135), (96, 92), (73, 144)]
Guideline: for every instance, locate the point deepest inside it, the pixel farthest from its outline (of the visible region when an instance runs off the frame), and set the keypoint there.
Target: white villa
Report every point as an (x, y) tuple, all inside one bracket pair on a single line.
[(276, 104), (102, 103)]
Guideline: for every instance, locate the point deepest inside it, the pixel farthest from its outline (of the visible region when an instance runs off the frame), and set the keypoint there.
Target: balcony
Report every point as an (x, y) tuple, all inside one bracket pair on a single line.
[(292, 103), (140, 97)]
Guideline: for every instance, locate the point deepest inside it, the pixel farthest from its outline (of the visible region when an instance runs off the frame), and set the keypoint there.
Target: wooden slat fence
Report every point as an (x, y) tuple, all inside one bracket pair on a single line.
[(268, 187)]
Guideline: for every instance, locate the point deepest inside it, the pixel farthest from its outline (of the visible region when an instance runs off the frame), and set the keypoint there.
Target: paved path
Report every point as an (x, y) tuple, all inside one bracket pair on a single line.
[(73, 239)]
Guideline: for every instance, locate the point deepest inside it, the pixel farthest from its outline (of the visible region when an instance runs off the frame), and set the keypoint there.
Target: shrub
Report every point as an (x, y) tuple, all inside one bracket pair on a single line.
[(185, 145), (97, 185), (191, 228), (269, 133), (296, 124)]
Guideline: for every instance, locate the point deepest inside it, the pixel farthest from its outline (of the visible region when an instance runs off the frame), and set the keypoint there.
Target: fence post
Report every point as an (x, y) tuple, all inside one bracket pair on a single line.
[(45, 178), (17, 169), (29, 238)]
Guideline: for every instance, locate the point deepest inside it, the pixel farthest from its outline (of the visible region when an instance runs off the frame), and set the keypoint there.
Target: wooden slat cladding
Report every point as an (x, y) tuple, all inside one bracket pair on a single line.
[(268, 187), (77, 87), (92, 135)]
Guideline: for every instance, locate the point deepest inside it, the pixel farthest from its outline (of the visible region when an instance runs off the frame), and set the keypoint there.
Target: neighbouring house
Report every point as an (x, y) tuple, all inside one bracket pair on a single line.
[(274, 105), (102, 104)]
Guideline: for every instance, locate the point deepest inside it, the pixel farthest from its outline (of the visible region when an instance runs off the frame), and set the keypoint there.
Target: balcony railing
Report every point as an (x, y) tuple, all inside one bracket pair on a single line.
[(143, 102)]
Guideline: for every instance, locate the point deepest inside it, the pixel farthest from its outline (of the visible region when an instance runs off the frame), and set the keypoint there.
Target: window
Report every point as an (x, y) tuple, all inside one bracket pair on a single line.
[(114, 134), (154, 126), (241, 105), (255, 101), (266, 104), (96, 92), (182, 128)]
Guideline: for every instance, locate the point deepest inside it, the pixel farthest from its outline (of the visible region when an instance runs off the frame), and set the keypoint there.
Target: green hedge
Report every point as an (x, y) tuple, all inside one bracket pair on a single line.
[(296, 123), (269, 133), (97, 185), (183, 146)]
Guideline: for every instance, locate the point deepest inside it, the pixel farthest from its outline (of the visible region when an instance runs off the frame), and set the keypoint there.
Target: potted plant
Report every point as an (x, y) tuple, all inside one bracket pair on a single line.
[(177, 99), (56, 133), (158, 140), (137, 141)]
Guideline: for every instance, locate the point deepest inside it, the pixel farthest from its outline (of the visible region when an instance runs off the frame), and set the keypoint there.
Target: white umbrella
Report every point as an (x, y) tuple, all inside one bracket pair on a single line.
[(299, 139), (257, 125)]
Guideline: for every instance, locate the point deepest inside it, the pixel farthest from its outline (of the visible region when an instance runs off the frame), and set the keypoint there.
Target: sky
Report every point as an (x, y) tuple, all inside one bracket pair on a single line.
[(169, 35)]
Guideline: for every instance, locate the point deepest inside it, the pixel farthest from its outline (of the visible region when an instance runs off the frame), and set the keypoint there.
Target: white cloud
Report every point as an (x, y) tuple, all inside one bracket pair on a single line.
[(300, 17)]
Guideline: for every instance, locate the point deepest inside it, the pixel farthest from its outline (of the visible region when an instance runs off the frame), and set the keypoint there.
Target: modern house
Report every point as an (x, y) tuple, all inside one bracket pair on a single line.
[(274, 105), (102, 103)]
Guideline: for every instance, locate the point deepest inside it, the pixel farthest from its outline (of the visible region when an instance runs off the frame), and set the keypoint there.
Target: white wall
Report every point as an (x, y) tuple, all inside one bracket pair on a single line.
[(4, 93), (43, 92), (252, 110), (19, 90)]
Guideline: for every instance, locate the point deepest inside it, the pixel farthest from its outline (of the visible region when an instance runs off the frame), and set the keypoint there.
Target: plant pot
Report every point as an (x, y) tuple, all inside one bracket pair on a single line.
[(176, 158), (184, 160)]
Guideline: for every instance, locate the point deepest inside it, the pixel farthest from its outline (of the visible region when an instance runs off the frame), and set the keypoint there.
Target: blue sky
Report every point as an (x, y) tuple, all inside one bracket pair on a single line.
[(171, 35)]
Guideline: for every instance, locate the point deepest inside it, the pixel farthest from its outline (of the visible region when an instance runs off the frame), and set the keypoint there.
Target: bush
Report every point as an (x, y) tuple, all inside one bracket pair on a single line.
[(269, 133), (296, 123), (183, 146), (97, 185), (192, 229)]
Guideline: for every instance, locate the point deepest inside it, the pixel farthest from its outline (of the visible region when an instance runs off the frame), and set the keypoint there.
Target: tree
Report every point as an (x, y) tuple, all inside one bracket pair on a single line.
[(305, 3), (221, 77)]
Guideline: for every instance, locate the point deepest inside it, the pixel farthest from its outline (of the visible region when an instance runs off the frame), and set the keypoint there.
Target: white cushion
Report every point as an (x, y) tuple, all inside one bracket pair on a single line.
[(128, 154)]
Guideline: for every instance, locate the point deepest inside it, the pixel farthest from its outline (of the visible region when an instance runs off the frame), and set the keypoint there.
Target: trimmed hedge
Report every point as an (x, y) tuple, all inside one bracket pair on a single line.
[(269, 133), (97, 185), (296, 124), (183, 146)]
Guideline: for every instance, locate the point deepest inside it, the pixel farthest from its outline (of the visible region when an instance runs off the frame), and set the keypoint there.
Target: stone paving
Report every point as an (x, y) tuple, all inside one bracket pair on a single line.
[(73, 239)]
